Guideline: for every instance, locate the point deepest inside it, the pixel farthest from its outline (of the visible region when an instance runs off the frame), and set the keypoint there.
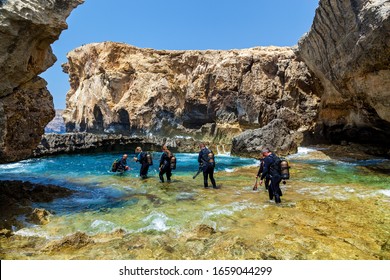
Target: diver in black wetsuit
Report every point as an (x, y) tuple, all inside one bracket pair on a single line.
[(122, 164), (165, 164), (207, 163), (270, 170), (141, 158)]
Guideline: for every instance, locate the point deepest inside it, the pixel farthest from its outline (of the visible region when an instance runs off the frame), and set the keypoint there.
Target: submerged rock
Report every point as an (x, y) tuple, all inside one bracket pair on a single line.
[(39, 216), (73, 241), (16, 198), (204, 231)]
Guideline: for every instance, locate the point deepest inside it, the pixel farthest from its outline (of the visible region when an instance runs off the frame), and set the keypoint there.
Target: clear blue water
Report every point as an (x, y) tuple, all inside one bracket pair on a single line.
[(96, 186), (106, 201)]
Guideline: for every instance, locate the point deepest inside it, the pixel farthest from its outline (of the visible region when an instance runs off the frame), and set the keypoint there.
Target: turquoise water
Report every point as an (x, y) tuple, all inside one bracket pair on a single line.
[(106, 201), (90, 175)]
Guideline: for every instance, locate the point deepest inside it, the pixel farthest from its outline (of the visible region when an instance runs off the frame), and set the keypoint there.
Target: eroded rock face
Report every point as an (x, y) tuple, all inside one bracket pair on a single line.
[(275, 135), (210, 95), (27, 28), (348, 48)]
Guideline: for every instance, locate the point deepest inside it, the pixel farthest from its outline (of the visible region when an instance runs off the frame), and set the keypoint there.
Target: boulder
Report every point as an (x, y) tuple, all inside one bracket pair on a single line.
[(275, 135), (39, 216)]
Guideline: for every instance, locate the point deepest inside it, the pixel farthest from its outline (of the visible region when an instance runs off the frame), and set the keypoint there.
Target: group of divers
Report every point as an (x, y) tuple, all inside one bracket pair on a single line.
[(272, 168)]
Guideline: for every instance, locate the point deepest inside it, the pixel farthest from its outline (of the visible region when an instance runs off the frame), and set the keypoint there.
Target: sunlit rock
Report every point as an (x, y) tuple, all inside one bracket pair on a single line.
[(27, 29)]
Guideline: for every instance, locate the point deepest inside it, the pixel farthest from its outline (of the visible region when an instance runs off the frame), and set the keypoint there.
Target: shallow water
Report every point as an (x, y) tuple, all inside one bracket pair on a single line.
[(157, 216)]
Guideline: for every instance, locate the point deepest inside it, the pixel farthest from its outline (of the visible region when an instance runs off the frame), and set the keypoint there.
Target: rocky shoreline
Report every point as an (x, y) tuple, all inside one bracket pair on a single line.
[(16, 199), (82, 142)]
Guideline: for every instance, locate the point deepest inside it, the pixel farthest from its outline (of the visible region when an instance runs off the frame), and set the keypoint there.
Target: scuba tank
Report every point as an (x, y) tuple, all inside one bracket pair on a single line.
[(173, 162), (114, 166), (211, 159), (284, 169), (149, 158)]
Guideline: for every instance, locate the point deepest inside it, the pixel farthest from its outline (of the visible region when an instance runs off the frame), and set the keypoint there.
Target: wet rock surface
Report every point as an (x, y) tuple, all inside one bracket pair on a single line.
[(16, 198)]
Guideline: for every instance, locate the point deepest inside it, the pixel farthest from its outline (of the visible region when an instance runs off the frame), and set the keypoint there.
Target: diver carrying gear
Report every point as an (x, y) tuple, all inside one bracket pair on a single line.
[(206, 159), (271, 169), (165, 164), (120, 165), (143, 160)]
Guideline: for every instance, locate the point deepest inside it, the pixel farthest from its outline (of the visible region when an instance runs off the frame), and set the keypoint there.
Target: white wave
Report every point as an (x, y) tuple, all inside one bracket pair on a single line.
[(302, 151), (157, 221), (34, 232), (103, 226), (229, 170), (322, 168), (218, 212), (385, 192), (348, 189)]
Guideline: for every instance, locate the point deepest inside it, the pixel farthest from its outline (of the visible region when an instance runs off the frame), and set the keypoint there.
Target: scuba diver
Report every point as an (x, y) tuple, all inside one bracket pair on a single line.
[(120, 165), (145, 159), (207, 163), (272, 170), (165, 164)]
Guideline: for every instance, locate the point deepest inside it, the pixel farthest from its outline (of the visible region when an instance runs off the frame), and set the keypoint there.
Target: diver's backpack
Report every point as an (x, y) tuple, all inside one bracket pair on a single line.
[(284, 169), (115, 165), (149, 158), (173, 162), (208, 158), (281, 167)]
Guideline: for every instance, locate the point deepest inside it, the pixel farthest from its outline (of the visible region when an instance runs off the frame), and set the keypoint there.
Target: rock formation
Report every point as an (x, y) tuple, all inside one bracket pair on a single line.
[(212, 95), (53, 143), (348, 48), (57, 124), (275, 135), (17, 199), (27, 28)]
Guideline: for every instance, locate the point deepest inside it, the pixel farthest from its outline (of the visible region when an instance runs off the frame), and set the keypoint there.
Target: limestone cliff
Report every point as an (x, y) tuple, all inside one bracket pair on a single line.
[(210, 94), (57, 124), (348, 48), (27, 28)]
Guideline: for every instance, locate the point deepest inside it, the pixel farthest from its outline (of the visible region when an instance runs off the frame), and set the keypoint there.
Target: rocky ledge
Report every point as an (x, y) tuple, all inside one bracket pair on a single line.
[(16, 198), (82, 142)]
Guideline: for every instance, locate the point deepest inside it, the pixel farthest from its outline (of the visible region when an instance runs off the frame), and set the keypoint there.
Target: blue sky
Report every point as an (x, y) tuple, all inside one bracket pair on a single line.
[(179, 25)]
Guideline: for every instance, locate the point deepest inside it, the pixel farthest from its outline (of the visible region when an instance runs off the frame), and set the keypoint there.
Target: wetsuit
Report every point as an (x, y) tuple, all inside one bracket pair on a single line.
[(268, 170), (141, 158), (122, 165), (207, 167), (165, 167), (266, 183)]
